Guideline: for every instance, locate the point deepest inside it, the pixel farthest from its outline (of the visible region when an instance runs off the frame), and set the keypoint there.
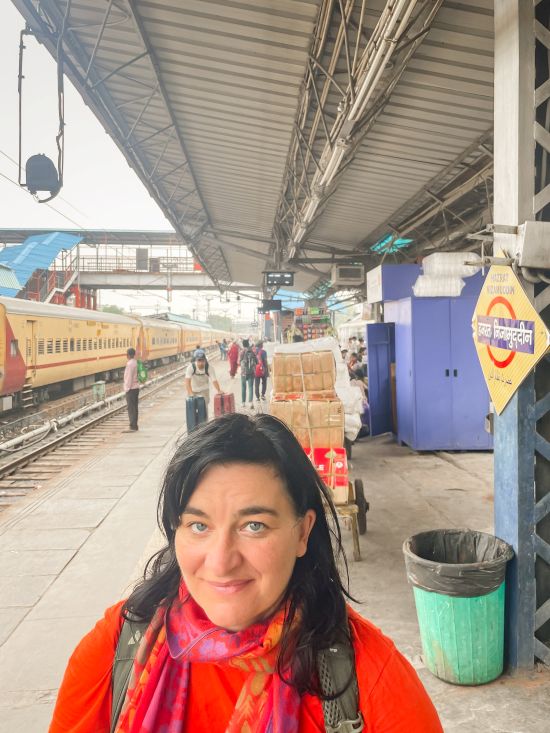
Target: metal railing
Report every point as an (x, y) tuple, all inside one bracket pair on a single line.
[(128, 264)]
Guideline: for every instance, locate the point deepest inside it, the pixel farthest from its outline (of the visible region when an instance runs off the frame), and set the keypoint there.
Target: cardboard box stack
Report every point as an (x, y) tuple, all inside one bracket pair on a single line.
[(304, 398), (309, 375)]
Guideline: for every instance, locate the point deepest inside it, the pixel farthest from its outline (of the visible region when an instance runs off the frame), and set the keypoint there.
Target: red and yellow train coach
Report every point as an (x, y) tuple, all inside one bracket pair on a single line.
[(159, 341), (47, 349)]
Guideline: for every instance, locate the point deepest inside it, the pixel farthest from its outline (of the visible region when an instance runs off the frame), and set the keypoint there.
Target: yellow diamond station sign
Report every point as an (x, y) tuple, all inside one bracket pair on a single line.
[(509, 335)]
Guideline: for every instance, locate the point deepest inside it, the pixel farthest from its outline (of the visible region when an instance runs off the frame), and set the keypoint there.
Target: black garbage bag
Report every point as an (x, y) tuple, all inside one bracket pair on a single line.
[(456, 562)]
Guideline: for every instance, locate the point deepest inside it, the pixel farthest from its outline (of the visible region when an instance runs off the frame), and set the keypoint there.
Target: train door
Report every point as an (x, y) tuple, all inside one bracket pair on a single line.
[(31, 347)]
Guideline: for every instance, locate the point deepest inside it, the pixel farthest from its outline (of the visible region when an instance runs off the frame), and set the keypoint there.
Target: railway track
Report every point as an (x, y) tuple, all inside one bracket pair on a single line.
[(21, 421), (30, 467)]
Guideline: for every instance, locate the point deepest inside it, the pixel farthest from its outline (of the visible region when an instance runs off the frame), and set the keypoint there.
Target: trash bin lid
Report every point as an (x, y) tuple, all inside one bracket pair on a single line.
[(456, 562)]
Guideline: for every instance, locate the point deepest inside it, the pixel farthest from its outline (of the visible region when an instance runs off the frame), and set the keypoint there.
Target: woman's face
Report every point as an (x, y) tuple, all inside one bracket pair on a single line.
[(237, 543)]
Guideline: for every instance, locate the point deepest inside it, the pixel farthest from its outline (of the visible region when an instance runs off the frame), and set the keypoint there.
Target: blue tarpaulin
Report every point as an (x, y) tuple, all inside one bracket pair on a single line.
[(290, 300), (36, 253)]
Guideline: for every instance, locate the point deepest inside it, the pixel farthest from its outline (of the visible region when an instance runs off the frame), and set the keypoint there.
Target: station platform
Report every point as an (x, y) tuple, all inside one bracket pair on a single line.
[(80, 543)]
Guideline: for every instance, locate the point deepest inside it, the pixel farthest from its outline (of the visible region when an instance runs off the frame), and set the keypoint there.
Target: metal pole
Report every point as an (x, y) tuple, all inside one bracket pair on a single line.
[(521, 471)]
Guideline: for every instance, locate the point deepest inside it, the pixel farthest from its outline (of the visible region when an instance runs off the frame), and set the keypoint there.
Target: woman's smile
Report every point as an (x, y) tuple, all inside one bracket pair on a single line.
[(229, 587)]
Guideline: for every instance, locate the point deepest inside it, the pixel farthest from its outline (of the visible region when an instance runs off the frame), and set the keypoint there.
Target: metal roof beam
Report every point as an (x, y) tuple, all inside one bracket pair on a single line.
[(356, 111)]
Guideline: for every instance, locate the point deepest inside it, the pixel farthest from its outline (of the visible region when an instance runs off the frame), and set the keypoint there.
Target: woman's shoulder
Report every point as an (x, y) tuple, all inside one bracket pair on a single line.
[(369, 641), (83, 702), (391, 694)]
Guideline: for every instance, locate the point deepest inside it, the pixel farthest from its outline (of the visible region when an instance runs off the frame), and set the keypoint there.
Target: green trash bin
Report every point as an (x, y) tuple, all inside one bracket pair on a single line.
[(98, 391), (458, 578)]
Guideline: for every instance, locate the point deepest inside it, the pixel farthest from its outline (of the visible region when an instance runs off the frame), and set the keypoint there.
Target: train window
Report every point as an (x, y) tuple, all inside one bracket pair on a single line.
[(65, 345), (57, 346), (117, 343), (90, 344), (49, 346), (84, 345), (40, 346), (14, 346), (95, 344), (79, 345), (72, 344)]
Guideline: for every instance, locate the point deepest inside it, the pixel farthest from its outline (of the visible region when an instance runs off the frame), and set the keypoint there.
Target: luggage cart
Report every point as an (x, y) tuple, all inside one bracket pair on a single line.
[(350, 504), (355, 511)]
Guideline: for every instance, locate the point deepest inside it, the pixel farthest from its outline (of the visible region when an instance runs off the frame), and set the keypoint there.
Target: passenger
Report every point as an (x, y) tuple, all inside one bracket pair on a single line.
[(233, 356), (198, 348), (198, 376), (262, 371), (224, 348), (356, 374), (237, 605), (131, 388), (248, 371), (355, 368)]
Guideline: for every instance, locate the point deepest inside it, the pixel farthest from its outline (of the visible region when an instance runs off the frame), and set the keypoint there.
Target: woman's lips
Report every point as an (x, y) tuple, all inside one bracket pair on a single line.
[(229, 587)]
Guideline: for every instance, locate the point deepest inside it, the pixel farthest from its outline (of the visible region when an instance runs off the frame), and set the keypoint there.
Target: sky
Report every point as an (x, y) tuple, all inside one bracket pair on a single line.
[(100, 190)]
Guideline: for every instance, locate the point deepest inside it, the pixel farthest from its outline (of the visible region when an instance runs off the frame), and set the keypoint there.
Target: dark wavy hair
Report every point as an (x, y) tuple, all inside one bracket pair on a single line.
[(315, 589)]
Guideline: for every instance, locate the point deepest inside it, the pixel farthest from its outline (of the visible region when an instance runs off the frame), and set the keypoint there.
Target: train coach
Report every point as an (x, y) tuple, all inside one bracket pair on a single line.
[(50, 350)]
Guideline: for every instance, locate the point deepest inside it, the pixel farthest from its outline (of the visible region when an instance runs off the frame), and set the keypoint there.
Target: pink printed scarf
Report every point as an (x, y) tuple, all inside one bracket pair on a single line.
[(177, 637)]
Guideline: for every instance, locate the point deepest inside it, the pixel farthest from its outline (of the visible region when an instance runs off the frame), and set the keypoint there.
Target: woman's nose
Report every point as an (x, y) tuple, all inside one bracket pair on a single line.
[(223, 555)]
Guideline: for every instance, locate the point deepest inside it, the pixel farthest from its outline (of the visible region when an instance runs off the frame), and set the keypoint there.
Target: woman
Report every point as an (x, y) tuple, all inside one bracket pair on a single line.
[(238, 604), (233, 356)]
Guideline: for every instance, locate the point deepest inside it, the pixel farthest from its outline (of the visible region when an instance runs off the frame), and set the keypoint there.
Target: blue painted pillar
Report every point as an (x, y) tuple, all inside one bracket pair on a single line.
[(522, 432), (514, 444), (514, 519)]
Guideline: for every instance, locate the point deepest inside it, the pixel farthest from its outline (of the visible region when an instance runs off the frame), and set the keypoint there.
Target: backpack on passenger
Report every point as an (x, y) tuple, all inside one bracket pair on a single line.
[(260, 365), (335, 665), (248, 363), (142, 373)]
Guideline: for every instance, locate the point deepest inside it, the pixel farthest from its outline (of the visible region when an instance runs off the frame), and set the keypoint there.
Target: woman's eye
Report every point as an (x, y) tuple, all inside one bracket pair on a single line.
[(255, 527), (198, 527)]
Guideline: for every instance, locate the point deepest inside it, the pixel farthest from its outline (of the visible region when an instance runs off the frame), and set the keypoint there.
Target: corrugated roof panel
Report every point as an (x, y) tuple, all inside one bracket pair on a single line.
[(9, 284), (36, 253)]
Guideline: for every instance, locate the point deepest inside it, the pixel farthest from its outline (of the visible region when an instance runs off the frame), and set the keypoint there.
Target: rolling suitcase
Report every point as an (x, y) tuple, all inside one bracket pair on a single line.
[(195, 411), (224, 403)]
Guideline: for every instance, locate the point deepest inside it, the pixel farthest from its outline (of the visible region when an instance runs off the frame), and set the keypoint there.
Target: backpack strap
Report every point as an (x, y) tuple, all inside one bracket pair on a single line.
[(195, 368), (336, 668), (128, 642)]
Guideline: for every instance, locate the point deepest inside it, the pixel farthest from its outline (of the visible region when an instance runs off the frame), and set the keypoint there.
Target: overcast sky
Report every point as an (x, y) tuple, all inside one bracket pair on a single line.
[(100, 190)]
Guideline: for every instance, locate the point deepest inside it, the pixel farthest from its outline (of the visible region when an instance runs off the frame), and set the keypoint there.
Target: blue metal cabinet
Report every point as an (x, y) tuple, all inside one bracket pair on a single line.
[(442, 398), (380, 355)]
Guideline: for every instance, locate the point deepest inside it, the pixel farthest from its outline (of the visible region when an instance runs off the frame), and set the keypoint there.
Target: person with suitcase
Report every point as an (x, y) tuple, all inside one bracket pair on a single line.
[(198, 376)]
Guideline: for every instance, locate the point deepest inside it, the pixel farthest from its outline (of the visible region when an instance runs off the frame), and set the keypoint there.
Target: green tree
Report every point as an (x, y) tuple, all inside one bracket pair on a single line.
[(114, 309), (220, 323)]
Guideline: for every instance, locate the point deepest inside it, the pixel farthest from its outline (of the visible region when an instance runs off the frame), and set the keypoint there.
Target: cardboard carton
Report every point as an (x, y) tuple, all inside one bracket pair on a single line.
[(313, 371), (332, 467), (315, 423)]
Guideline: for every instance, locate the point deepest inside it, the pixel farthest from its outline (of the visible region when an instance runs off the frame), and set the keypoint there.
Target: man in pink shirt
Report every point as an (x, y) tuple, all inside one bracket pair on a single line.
[(131, 387)]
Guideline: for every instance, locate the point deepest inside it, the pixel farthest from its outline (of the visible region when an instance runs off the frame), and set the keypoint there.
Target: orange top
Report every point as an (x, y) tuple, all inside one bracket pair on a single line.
[(391, 696)]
